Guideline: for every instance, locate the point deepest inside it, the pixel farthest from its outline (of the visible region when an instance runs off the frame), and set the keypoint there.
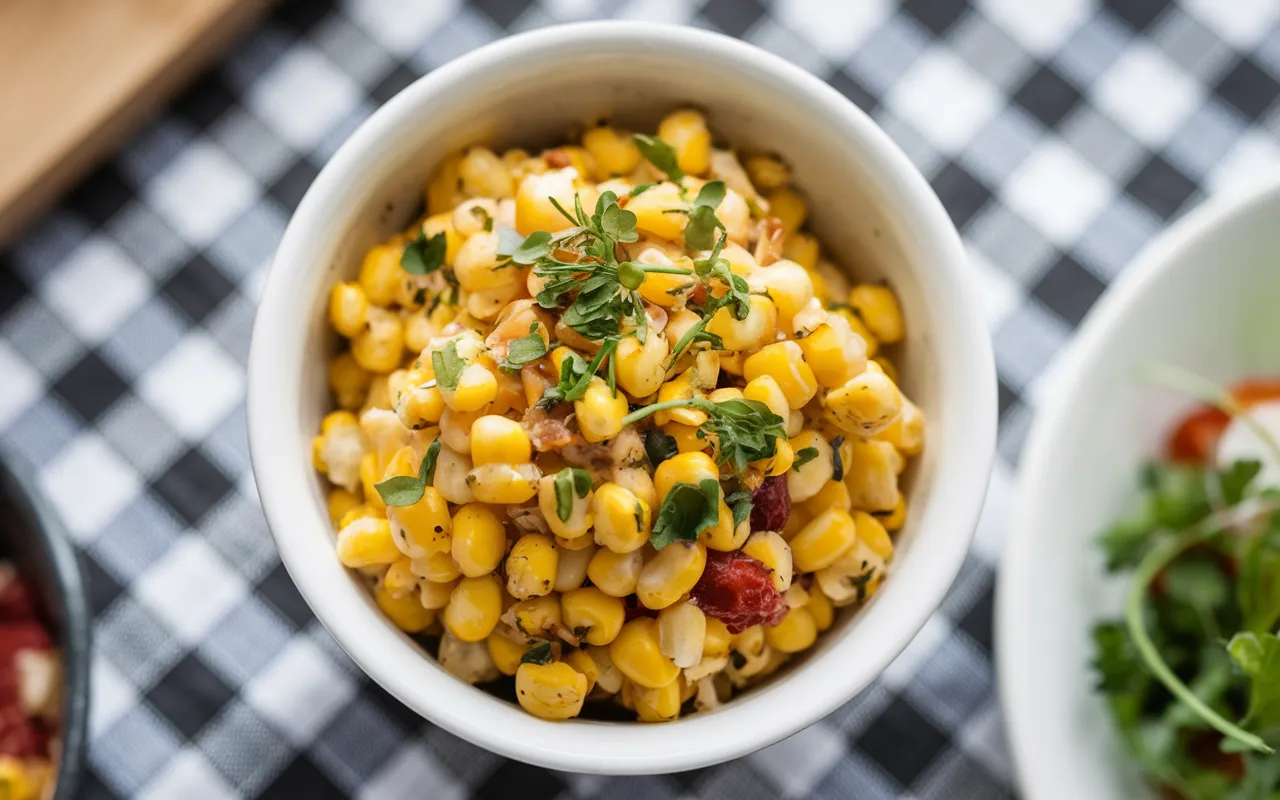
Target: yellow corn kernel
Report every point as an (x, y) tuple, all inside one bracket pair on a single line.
[(348, 380), (444, 190), (767, 172), (686, 132), (686, 436), (610, 678), (380, 273), (638, 481), (379, 347), (760, 326), (764, 389), (335, 420), (484, 175), (599, 413), (420, 406), (749, 641), (878, 308), (551, 691), (796, 632), (537, 616), (504, 484), (784, 362), (807, 480), (531, 566), (886, 366), (873, 534), (680, 388), (801, 248), (477, 387), (451, 475), (424, 527), (853, 578), (593, 616), (621, 519), (789, 207), (437, 567), (356, 513), (585, 664), (534, 209), (692, 468), (340, 502), (724, 535), (788, 284), (615, 573), (637, 652), (716, 641), (834, 358), (347, 308), (640, 366), (370, 476), (474, 607), (833, 494), (670, 574), (682, 633), (660, 211), (571, 569), (399, 579), (820, 608), (783, 458), (657, 705), (479, 540), (443, 223), (580, 543), (499, 440), (455, 429), (770, 549), (613, 151), (865, 405), (436, 596), (893, 519), (366, 542), (824, 540), (579, 519), (906, 432), (404, 610), (505, 652)]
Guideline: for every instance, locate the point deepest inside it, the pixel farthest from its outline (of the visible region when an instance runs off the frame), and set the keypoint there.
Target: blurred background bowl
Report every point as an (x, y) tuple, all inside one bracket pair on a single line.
[(33, 538)]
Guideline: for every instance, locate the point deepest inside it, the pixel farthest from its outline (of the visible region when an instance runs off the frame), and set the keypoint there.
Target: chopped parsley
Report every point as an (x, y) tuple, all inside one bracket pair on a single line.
[(424, 255), (686, 511)]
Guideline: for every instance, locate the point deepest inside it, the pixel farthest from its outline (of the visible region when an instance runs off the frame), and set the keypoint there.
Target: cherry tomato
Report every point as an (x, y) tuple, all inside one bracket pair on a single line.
[(1195, 439)]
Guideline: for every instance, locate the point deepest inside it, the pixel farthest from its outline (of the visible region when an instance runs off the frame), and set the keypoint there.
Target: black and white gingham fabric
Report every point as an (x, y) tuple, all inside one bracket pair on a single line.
[(1060, 135)]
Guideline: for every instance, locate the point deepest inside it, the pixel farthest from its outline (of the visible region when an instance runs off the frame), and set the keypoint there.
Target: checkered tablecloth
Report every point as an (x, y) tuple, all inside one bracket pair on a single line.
[(1060, 136)]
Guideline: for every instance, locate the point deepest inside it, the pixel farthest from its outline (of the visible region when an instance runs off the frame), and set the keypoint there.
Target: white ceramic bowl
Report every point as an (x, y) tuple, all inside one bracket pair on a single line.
[(868, 204), (1202, 297)]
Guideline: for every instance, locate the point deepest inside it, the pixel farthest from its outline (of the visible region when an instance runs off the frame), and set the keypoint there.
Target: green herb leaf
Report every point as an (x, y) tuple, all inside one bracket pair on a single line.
[(686, 511), (660, 154), (538, 654), (524, 350), (424, 255), (482, 217), (746, 430), (860, 582), (837, 463), (1258, 656), (640, 189), (448, 365), (575, 376), (427, 469), (537, 245), (803, 456), (741, 505), (710, 195), (658, 446), (402, 490), (568, 482)]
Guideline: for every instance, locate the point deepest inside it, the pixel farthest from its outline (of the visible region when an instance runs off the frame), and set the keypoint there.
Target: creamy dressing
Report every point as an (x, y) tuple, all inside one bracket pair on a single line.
[(1240, 442)]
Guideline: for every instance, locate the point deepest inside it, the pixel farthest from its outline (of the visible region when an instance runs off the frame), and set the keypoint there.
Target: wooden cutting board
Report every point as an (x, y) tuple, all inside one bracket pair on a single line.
[(78, 76)]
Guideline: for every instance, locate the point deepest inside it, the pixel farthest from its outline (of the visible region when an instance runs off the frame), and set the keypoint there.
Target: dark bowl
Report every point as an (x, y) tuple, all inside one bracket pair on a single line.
[(32, 535)]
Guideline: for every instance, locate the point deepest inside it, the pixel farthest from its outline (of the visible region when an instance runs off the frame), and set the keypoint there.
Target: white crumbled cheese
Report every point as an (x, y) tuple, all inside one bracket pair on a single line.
[(343, 448), (39, 676)]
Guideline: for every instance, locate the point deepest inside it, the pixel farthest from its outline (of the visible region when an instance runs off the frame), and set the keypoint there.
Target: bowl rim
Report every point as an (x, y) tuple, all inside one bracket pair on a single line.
[(960, 483), (75, 640), (1013, 619)]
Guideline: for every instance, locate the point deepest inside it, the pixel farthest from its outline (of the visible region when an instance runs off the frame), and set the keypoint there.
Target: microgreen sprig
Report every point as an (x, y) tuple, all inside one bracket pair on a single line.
[(746, 430)]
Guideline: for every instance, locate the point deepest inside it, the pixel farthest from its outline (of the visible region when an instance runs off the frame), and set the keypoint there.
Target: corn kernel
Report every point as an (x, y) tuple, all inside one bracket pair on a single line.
[(531, 566), (873, 534), (537, 616), (670, 574), (820, 608), (505, 652), (405, 611), (682, 633), (796, 632), (340, 502), (615, 573), (484, 175), (380, 273), (865, 405), (585, 664), (366, 542), (348, 380), (716, 641), (784, 362), (479, 540), (759, 328), (592, 615), (551, 691), (534, 209), (637, 652), (609, 678), (878, 308), (506, 484), (621, 519), (499, 440), (437, 567), (692, 468), (824, 540), (380, 346), (614, 152), (872, 477), (789, 207), (686, 132), (802, 248), (347, 308), (770, 549), (661, 704), (806, 480), (893, 519), (599, 413), (571, 569), (580, 517), (474, 607), (436, 596), (767, 172)]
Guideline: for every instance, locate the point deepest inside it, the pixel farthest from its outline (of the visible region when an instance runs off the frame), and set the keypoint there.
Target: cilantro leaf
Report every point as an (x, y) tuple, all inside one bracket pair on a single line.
[(427, 469), (424, 255), (660, 154), (536, 246), (568, 482), (448, 365), (658, 446), (524, 350), (747, 431), (538, 654), (401, 490), (686, 511), (1258, 656), (803, 456), (482, 217)]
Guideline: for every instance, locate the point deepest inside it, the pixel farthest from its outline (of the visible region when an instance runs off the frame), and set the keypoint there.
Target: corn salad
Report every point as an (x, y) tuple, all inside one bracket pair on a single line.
[(609, 423)]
